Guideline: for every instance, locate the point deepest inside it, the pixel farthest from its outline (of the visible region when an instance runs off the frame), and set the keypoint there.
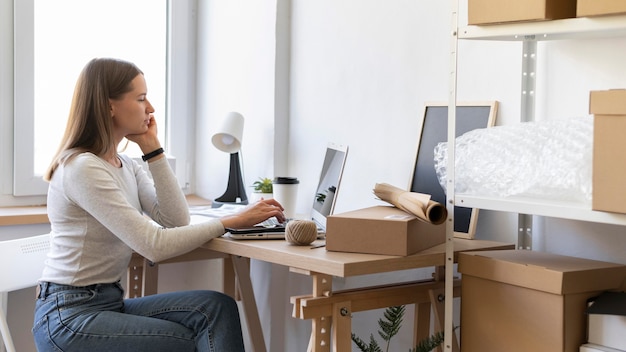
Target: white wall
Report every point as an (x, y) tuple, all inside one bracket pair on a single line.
[(236, 52)]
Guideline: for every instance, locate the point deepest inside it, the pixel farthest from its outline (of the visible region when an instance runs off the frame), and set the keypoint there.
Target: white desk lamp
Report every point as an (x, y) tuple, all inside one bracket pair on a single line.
[(228, 139)]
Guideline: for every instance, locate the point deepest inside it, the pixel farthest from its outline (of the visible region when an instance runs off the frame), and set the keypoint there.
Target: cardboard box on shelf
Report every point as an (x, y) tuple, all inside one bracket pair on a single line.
[(590, 347), (607, 320), (609, 159), (381, 230), (599, 7), (500, 11), (520, 300)]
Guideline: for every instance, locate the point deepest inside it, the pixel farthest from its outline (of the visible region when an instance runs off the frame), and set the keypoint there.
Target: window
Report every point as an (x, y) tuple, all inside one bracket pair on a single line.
[(54, 40), (17, 62)]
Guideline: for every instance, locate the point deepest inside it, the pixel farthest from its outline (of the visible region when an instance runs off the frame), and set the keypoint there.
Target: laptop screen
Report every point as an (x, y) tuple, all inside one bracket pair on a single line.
[(328, 186)]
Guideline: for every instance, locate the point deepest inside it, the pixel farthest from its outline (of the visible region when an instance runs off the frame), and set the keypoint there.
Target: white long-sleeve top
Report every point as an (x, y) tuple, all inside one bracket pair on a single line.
[(97, 215)]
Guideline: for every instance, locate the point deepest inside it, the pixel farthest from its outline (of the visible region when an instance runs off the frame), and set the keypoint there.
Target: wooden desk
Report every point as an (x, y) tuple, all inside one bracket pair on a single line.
[(330, 311)]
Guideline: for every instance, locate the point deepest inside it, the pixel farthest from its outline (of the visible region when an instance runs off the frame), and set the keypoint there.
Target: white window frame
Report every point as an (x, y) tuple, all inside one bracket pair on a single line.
[(25, 182), (16, 118)]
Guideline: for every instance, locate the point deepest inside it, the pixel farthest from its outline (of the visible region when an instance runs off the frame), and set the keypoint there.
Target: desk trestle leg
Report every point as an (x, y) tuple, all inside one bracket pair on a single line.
[(242, 271), (342, 326), (333, 310), (320, 328), (437, 300)]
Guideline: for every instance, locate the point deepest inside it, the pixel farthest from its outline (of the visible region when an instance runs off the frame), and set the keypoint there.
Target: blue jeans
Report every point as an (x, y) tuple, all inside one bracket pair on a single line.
[(98, 318)]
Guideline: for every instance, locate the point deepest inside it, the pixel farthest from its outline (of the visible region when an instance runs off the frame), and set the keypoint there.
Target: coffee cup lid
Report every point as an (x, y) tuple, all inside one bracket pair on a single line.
[(286, 180)]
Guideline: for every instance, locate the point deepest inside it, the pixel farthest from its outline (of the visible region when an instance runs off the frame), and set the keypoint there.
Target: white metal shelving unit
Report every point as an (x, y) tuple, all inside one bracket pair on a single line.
[(570, 28), (542, 207), (529, 33)]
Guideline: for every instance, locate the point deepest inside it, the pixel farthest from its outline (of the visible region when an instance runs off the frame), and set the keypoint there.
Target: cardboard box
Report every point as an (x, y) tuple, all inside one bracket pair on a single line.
[(609, 144), (599, 7), (381, 230), (519, 300), (589, 347), (499, 11), (607, 320)]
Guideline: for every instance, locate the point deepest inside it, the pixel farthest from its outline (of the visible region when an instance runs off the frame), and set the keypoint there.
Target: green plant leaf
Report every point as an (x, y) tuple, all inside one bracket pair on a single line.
[(390, 327), (429, 343), (263, 185), (364, 347)]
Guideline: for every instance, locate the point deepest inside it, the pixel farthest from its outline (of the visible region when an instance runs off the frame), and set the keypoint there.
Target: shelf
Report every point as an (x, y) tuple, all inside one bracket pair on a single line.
[(541, 207), (570, 28)]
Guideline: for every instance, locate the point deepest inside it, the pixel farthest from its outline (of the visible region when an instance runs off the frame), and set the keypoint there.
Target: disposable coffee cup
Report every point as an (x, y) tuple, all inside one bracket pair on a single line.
[(286, 193)]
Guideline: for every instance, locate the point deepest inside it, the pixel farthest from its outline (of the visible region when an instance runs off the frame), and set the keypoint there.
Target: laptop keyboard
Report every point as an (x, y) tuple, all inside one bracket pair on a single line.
[(271, 222)]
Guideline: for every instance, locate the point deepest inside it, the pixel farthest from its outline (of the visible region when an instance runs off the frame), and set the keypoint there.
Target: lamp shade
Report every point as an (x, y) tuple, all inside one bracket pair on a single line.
[(228, 138)]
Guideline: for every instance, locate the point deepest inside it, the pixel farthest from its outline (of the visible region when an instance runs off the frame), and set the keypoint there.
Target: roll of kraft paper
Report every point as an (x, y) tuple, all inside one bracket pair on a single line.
[(418, 204)]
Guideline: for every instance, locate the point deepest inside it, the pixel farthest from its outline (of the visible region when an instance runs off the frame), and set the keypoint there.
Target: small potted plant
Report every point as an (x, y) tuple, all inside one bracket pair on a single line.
[(262, 188)]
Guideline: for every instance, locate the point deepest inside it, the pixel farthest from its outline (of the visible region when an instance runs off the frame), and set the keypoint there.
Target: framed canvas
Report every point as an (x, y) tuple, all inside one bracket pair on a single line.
[(433, 130)]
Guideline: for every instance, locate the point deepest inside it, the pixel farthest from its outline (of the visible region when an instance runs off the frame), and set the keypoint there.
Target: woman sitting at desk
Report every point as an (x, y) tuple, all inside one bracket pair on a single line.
[(97, 199)]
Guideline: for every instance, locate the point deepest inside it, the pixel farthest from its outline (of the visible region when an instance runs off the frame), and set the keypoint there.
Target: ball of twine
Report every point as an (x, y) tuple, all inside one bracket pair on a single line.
[(301, 232)]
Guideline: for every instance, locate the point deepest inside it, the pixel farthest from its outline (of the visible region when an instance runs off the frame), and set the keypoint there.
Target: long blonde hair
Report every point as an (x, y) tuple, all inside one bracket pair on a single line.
[(89, 125)]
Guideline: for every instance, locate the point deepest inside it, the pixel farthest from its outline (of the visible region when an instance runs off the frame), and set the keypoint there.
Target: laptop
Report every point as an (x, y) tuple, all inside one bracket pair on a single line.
[(323, 199)]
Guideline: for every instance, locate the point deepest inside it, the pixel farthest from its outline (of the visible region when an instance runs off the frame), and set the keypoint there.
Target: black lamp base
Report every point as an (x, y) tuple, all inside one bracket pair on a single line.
[(235, 191)]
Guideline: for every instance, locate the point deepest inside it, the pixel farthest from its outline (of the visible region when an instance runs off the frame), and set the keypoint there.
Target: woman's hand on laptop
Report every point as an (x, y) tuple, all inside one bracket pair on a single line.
[(254, 213)]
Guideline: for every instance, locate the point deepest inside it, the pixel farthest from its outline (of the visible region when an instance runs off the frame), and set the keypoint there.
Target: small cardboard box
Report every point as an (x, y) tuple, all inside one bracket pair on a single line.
[(607, 320), (519, 300), (609, 144), (499, 11), (381, 230), (599, 7)]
